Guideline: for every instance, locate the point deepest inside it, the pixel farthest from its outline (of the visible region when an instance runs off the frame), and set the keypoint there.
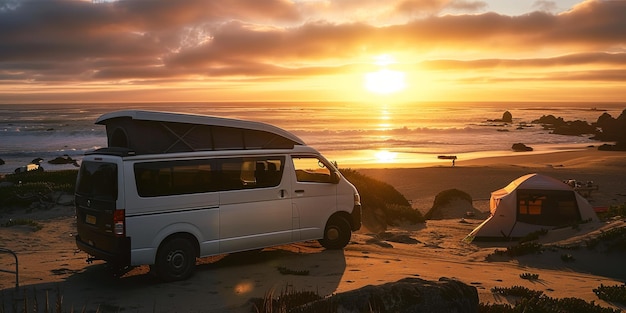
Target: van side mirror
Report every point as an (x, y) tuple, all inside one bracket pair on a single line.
[(334, 177)]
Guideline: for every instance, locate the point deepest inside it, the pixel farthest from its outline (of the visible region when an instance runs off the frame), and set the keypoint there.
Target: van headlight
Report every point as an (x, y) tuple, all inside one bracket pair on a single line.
[(357, 199)]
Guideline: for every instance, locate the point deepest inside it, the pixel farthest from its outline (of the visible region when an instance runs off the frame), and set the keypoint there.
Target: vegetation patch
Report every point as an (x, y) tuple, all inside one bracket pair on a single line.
[(614, 211), (536, 301), (529, 276), (521, 249), (567, 257), (516, 291), (23, 189), (615, 293), (288, 300), (378, 196), (533, 236), (285, 271), (23, 221)]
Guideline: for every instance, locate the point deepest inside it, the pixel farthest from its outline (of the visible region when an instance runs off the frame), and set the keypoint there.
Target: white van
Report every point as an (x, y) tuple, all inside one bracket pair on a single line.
[(173, 187)]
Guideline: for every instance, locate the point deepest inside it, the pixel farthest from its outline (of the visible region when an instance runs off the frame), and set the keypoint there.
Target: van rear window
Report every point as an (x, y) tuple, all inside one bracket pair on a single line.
[(97, 180)]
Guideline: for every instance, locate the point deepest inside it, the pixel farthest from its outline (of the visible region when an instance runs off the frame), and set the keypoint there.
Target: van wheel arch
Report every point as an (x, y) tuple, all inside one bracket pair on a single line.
[(176, 257), (337, 232)]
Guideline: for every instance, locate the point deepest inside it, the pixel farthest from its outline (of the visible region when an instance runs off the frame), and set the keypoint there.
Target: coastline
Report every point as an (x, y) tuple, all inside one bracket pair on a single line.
[(479, 177), (370, 159)]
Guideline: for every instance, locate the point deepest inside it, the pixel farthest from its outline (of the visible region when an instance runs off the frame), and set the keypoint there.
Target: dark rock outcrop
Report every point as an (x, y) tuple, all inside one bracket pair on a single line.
[(1, 162), (507, 117), (404, 296), (561, 127), (36, 161), (520, 147), (612, 129), (65, 159), (451, 203), (28, 168)]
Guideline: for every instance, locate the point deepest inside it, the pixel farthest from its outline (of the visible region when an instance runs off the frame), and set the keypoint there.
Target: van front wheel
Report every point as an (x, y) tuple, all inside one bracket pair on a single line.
[(336, 234), (175, 260)]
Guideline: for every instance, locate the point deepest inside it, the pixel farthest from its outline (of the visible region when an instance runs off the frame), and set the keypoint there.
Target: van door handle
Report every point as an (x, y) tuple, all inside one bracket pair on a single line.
[(282, 193), (299, 191)]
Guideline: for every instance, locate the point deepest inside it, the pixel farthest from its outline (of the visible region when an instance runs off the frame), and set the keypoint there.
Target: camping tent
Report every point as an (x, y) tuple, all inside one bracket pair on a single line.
[(531, 203)]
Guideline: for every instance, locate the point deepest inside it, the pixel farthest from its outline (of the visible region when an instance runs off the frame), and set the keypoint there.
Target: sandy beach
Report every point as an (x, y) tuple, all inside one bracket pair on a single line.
[(49, 260)]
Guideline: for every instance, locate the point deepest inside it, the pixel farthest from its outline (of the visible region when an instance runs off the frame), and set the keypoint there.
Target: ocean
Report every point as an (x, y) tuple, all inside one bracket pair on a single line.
[(352, 134)]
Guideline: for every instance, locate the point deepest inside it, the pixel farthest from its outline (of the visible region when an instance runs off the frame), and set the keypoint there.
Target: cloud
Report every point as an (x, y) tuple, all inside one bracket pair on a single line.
[(159, 40)]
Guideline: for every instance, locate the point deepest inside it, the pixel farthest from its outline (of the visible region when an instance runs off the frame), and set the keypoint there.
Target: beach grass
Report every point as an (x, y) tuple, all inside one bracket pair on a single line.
[(23, 189)]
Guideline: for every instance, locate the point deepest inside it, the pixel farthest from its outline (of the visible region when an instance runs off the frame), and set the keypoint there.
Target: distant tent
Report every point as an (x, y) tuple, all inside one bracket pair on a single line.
[(530, 203)]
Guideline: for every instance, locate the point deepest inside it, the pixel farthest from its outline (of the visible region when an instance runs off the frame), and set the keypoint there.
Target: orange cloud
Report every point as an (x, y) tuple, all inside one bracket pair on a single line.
[(46, 44)]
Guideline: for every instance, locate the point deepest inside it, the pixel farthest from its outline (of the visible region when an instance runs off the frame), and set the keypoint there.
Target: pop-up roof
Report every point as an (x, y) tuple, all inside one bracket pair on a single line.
[(149, 132)]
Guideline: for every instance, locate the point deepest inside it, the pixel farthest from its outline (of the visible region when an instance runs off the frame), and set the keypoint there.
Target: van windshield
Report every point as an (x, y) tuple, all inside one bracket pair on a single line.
[(97, 180)]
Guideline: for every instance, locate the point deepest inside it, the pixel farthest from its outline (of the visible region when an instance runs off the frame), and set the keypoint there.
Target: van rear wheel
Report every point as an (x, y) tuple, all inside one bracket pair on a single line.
[(336, 234), (176, 260)]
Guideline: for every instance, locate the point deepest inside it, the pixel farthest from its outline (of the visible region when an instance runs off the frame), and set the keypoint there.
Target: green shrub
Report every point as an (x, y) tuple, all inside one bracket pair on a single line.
[(36, 186), (285, 271), (529, 276), (397, 213), (615, 293), (22, 221), (376, 194), (519, 249), (516, 291), (615, 210), (444, 197), (533, 236), (286, 301), (535, 301)]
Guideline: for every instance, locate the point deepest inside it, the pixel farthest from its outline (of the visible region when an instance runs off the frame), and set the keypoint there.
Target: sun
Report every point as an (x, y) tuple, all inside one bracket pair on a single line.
[(385, 81)]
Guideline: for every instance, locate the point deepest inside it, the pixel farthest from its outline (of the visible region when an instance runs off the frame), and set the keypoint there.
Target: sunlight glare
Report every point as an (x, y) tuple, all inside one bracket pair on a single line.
[(384, 156), (385, 81)]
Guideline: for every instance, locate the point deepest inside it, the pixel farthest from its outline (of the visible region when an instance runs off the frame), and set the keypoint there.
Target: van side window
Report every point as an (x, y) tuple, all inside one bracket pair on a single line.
[(250, 172), (165, 178), (311, 169), (174, 177)]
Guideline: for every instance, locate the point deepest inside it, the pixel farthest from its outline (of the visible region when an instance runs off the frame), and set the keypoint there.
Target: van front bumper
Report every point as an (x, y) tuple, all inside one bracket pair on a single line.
[(356, 218)]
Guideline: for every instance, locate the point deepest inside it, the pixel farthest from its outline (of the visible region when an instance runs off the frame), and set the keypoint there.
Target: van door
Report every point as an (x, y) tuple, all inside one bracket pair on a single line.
[(98, 200), (171, 196), (314, 195), (255, 208)]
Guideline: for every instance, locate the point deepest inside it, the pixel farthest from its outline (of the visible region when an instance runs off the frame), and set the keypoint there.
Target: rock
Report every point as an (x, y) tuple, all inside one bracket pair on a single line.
[(574, 128), (406, 295), (612, 129), (65, 159), (520, 147), (36, 161), (507, 117), (451, 203), (1, 162), (28, 168), (561, 127)]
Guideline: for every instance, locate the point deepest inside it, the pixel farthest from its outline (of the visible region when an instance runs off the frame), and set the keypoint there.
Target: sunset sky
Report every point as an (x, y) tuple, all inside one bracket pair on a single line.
[(312, 50)]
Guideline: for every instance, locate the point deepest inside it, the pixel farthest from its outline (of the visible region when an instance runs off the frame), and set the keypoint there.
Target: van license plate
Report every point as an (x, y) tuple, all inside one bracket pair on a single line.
[(90, 219)]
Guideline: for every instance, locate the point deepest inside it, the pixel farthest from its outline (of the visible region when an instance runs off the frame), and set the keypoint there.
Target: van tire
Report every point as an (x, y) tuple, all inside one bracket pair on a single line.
[(176, 260), (337, 233)]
